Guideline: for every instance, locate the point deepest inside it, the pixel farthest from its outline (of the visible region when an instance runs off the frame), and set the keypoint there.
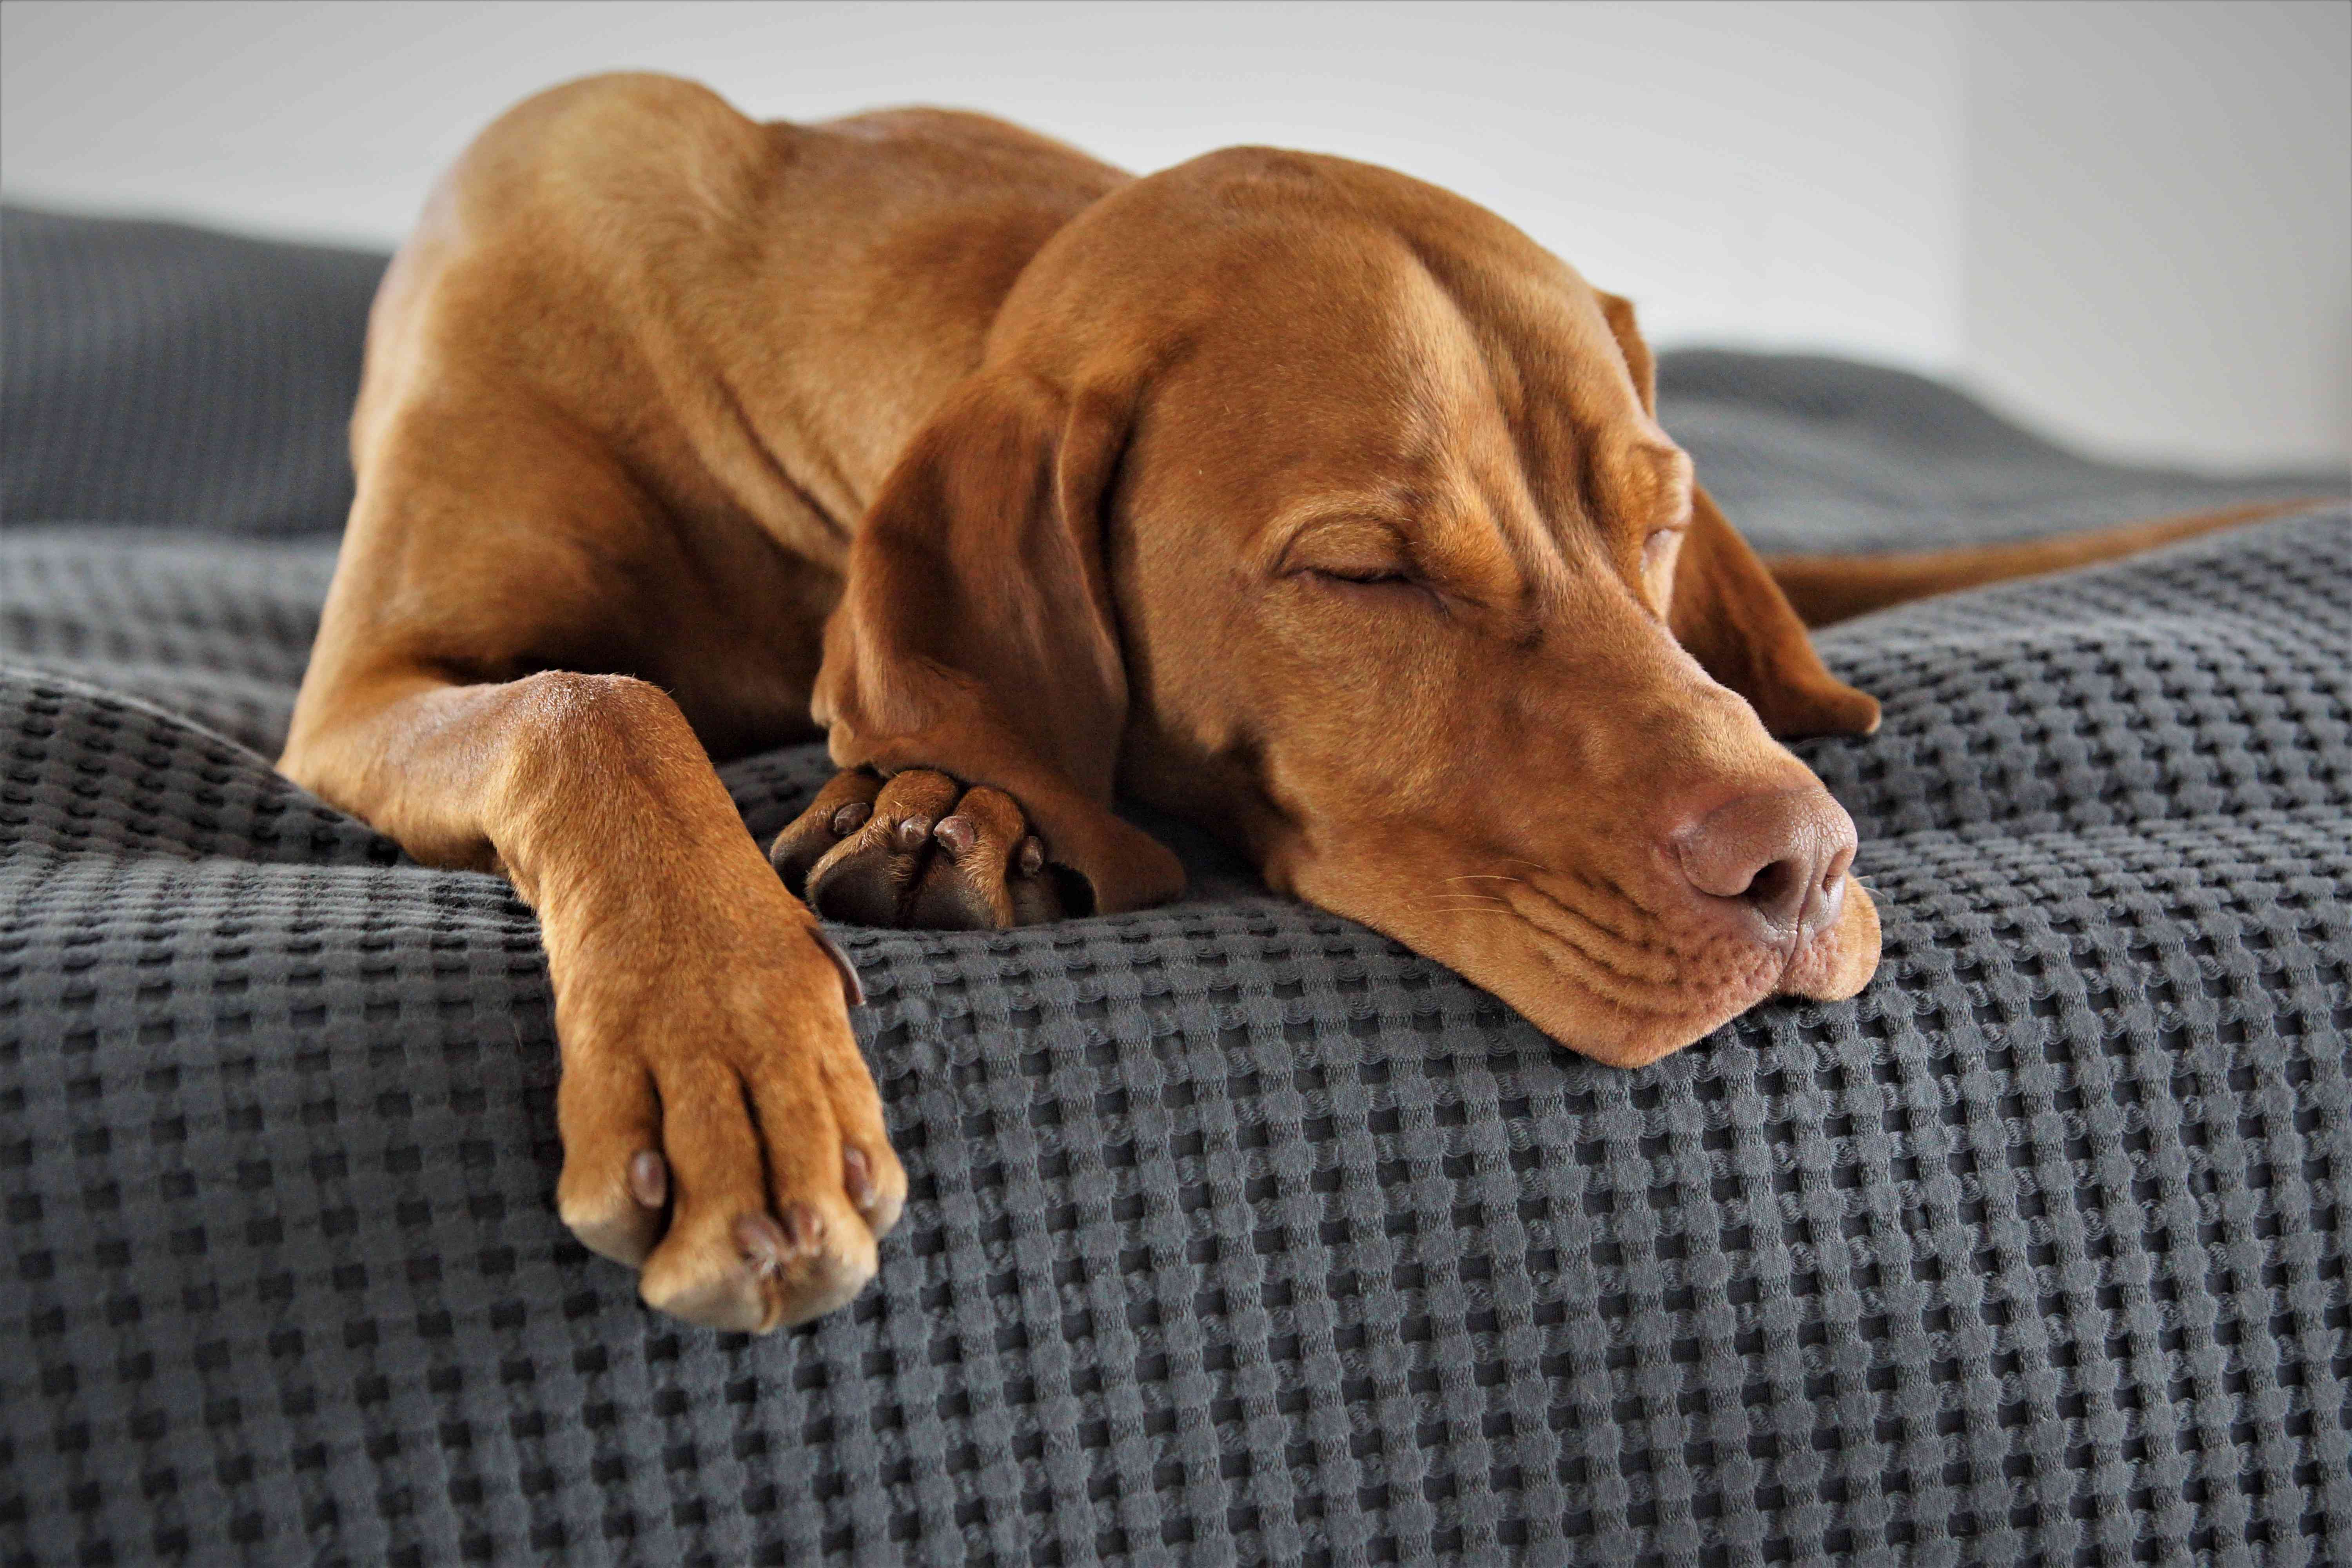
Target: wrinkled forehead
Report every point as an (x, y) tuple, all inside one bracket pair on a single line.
[(1343, 363)]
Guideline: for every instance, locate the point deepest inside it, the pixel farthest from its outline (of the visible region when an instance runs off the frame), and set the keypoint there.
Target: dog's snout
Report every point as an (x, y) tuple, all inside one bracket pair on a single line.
[(1773, 864)]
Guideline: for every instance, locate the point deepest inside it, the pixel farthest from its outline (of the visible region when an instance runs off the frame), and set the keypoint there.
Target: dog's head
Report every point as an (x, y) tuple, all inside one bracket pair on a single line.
[(1324, 507)]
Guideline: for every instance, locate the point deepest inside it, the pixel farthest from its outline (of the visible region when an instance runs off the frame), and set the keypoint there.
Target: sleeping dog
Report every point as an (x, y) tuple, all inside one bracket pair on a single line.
[(1289, 495)]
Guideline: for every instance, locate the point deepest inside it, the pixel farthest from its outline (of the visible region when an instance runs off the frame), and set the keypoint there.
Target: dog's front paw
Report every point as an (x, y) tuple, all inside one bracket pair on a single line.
[(720, 1130), (919, 851)]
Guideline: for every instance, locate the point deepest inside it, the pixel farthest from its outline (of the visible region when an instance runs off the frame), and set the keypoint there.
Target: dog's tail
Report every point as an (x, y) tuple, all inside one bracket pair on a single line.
[(1825, 589)]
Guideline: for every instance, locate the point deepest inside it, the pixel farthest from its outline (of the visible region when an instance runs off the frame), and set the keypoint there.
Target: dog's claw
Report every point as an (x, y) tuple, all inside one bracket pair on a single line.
[(764, 1244), (805, 1228), (840, 809), (858, 1178), (853, 989), (649, 1179), (957, 835), (876, 1201)]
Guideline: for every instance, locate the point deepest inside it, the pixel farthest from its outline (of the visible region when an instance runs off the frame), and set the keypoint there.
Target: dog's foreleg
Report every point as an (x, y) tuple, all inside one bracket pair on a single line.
[(720, 1127)]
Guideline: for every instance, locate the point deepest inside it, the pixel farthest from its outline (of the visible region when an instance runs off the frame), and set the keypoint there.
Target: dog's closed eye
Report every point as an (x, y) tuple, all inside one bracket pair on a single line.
[(1362, 576), (1374, 585), (1353, 557)]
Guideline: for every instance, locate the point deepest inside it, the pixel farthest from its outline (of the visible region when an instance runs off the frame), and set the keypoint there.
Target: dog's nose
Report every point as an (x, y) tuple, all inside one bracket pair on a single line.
[(1774, 863)]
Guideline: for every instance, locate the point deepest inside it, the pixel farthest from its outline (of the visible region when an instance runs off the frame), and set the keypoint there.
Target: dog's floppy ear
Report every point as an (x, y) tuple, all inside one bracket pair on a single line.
[(1726, 611), (975, 633), (1730, 616), (1639, 363)]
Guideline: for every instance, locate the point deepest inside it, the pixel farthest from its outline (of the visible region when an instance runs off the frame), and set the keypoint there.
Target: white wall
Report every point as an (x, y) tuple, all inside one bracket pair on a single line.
[(1877, 179), (2157, 216)]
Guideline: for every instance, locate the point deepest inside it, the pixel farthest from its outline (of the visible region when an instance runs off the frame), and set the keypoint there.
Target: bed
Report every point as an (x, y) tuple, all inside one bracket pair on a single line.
[(1237, 1233)]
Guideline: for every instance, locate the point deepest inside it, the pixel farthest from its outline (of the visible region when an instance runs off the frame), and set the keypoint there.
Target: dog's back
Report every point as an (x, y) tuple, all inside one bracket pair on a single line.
[(644, 354), (779, 305)]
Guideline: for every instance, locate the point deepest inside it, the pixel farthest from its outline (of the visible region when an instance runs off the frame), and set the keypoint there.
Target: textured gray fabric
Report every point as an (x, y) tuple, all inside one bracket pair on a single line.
[(1237, 1233), (1811, 454), (155, 372)]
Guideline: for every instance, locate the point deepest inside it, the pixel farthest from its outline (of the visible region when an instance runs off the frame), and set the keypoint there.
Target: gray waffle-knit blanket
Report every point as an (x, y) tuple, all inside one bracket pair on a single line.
[(1237, 1232)]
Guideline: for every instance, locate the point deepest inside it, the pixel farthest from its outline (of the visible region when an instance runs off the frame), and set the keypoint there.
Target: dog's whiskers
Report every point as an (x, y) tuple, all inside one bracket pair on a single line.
[(1462, 900), (1632, 943)]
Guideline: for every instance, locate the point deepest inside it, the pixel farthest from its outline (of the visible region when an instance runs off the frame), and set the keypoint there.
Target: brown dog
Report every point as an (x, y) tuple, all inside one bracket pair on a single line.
[(1291, 495)]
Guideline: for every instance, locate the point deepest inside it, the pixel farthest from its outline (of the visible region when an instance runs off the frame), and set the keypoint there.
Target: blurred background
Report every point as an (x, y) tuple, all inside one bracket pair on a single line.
[(2129, 223)]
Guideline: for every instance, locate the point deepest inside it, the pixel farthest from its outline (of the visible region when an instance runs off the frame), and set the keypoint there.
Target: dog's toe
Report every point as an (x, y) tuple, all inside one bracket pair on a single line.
[(987, 870), (868, 877), (919, 852), (614, 1188), (840, 809), (778, 1177)]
